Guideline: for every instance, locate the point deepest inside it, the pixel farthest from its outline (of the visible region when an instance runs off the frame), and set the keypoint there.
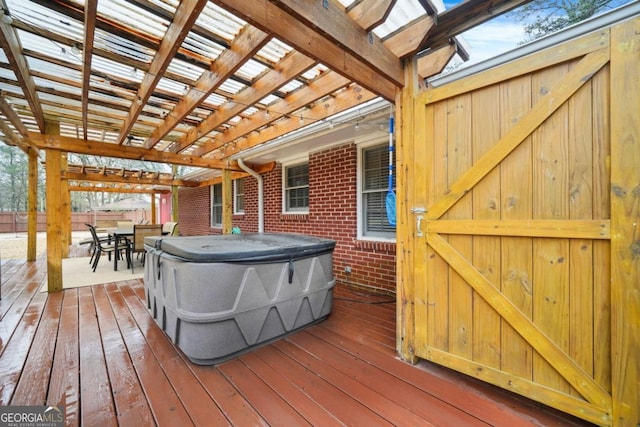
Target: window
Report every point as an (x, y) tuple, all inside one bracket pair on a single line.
[(216, 205), (374, 188), (296, 188), (238, 196)]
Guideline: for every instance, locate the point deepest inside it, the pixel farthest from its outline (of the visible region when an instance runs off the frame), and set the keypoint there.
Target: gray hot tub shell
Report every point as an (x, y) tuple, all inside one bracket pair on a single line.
[(219, 296)]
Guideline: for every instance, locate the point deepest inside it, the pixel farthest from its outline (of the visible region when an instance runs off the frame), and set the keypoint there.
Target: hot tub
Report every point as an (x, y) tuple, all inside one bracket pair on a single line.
[(219, 296)]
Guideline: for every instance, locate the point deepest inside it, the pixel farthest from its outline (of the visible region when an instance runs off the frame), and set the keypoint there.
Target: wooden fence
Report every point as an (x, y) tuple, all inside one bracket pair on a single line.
[(16, 222)]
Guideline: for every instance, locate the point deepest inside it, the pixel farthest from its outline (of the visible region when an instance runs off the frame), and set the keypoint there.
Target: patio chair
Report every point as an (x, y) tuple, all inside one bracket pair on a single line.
[(91, 241), (136, 245), (104, 245), (169, 228)]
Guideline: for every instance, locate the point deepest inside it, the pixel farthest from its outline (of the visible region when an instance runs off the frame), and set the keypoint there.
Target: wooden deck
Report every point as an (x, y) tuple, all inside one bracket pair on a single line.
[(97, 351)]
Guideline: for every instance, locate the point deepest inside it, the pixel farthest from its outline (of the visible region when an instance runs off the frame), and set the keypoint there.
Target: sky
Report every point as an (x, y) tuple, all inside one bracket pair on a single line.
[(498, 35), (488, 40)]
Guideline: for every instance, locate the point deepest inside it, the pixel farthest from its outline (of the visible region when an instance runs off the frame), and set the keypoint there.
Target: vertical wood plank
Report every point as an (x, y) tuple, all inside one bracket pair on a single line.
[(153, 208), (406, 198), (421, 163), (438, 270), (97, 406), (516, 203), (32, 389), (486, 205), (18, 341), (32, 206), (162, 397), (581, 344), (459, 157), (174, 196), (601, 210), (64, 387), (54, 220), (129, 398), (65, 225), (625, 221), (550, 201)]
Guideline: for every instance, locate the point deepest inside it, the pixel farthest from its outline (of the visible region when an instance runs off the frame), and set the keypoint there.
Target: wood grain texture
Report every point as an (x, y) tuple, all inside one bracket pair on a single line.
[(341, 371)]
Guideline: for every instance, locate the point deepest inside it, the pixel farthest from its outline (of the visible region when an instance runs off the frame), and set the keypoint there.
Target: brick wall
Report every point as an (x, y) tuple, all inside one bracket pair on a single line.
[(194, 212), (332, 214)]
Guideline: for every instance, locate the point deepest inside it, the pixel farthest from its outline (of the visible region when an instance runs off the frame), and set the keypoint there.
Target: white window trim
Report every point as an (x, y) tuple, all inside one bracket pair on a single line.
[(286, 165), (359, 184), (235, 200)]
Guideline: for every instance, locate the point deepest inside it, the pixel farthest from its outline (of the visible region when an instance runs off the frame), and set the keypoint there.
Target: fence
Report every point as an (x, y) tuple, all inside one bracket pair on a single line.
[(16, 222)]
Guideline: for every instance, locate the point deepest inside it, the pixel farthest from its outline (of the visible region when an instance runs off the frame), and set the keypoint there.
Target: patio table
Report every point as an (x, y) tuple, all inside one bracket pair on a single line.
[(116, 234)]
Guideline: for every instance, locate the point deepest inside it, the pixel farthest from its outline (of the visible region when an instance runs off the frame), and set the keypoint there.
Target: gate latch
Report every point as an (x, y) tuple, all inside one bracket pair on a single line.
[(419, 212)]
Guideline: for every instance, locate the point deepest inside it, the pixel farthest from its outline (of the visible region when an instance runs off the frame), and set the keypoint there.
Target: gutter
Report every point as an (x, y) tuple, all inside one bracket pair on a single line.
[(257, 176)]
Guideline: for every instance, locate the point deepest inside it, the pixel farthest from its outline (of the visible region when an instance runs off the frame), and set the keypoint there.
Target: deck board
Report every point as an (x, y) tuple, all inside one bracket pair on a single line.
[(97, 405), (97, 351), (130, 402), (198, 404), (34, 387)]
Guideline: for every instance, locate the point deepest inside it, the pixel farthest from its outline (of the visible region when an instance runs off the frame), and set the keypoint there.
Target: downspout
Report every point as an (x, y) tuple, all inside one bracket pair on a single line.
[(257, 176)]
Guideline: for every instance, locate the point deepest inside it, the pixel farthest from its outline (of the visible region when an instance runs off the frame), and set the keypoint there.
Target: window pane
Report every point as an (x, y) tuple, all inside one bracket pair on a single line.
[(216, 205), (239, 195), (297, 188), (376, 220), (375, 186), (376, 168), (298, 176), (217, 215), (298, 198), (217, 194)]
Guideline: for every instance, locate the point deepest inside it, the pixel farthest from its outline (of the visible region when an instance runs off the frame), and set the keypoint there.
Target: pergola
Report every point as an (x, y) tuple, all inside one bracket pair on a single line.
[(196, 82)]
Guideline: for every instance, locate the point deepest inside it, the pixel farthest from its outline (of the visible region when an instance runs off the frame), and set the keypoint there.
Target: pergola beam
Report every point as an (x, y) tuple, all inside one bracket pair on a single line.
[(328, 83), (98, 177), (13, 117), (341, 102), (184, 18), (464, 16), (13, 50), (288, 69), (90, 13), (94, 148), (328, 36), (95, 189), (15, 139), (370, 13), (248, 42)]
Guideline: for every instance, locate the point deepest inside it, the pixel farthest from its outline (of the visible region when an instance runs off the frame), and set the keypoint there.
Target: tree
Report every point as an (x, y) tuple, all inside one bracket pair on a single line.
[(14, 165), (542, 17)]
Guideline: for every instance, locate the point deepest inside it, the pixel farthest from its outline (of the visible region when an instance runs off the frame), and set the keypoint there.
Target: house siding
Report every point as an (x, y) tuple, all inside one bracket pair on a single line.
[(332, 214)]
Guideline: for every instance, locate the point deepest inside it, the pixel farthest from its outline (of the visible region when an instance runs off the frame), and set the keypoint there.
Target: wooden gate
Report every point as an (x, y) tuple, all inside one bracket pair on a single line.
[(518, 239)]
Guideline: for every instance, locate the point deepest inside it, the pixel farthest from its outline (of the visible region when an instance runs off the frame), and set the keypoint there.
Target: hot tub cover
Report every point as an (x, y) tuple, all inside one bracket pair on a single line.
[(245, 248)]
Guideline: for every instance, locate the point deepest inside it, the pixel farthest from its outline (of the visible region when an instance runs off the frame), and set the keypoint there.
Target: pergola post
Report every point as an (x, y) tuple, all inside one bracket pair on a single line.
[(153, 208), (32, 206), (55, 217), (405, 135), (66, 206)]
